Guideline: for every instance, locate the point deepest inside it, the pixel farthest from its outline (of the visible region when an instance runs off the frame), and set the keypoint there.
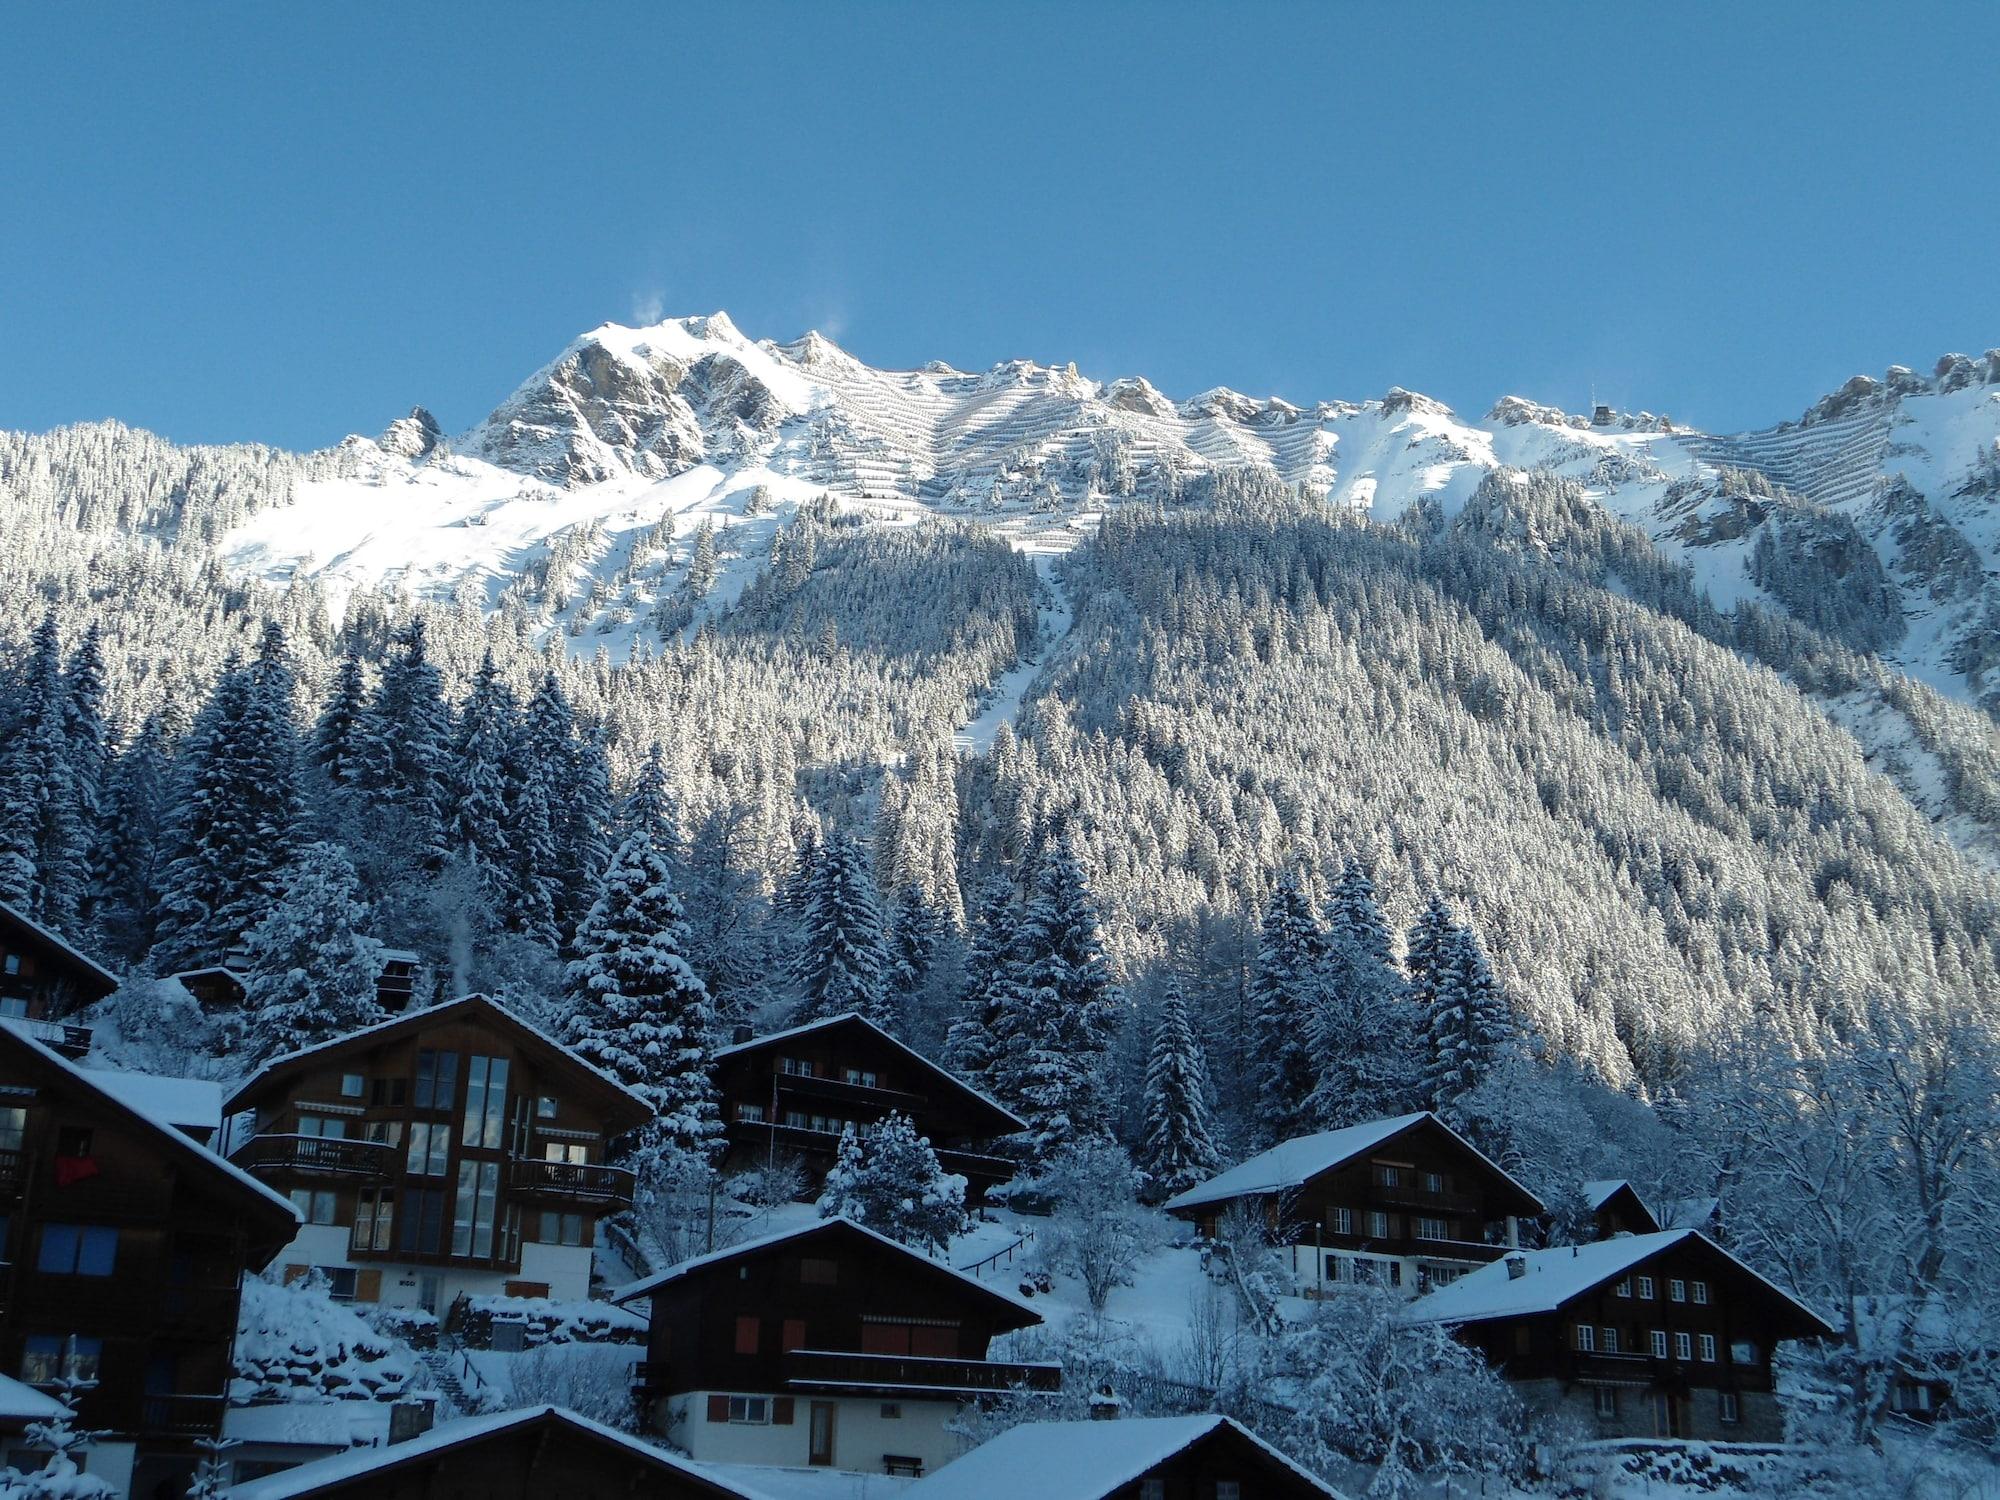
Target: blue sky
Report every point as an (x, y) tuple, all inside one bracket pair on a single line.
[(285, 223)]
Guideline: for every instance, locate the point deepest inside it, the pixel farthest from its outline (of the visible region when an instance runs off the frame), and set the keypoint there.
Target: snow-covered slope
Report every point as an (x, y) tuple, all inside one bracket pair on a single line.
[(1874, 514)]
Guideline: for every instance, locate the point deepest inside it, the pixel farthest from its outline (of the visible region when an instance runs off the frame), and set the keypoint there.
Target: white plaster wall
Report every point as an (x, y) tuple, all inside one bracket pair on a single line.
[(861, 1434)]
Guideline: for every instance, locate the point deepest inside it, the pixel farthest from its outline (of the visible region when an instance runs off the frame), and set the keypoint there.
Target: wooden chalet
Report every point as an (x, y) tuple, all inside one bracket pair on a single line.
[(793, 1092), (1138, 1458), (1617, 1208), (44, 979), (828, 1347), (123, 1245), (1649, 1335), (222, 986), (450, 1150), (1405, 1202), (538, 1453)]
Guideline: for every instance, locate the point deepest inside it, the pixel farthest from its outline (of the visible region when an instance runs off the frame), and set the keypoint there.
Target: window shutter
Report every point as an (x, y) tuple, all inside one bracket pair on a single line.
[(781, 1411), (296, 1273), (718, 1408), (368, 1286), (795, 1333)]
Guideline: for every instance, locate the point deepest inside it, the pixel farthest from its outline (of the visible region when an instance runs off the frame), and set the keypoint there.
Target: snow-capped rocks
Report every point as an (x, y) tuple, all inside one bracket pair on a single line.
[(413, 437), (1397, 401)]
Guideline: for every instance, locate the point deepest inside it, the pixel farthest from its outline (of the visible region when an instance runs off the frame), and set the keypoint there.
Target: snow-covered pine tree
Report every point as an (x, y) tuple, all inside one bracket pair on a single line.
[(43, 838), (1471, 1027), (916, 932), (89, 754), (62, 1475), (1177, 1147), (638, 1011), (1054, 1042), (267, 752), (337, 737), (1369, 1039), (890, 1181), (476, 827), (992, 985), (402, 743), (1424, 953), (650, 808), (843, 952), (310, 971), (1286, 1000), (127, 873)]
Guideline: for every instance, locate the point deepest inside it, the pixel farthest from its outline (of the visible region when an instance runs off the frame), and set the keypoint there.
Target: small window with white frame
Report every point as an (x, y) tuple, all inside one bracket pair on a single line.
[(1684, 1346), (1586, 1338), (1624, 1287), (753, 1411), (1659, 1343), (1729, 1406), (1645, 1289), (1677, 1290), (1708, 1348), (1700, 1293), (1604, 1401), (1340, 1221), (1607, 1340)]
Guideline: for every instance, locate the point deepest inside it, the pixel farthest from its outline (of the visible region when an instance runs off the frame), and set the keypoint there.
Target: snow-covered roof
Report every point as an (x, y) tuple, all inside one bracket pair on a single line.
[(856, 1018), (318, 1424), (187, 1103), (1082, 1460), (1552, 1278), (285, 1061), (339, 1468), (687, 1267), (176, 1139), (23, 1403), (1290, 1164), (767, 1482), (104, 976), (1690, 1213)]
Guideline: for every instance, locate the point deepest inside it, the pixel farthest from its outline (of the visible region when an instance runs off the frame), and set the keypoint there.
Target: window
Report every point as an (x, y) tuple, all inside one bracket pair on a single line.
[(892, 1411), (748, 1331), (388, 1090), (473, 1208), (73, 1140), (1378, 1224), (815, 1271), (561, 1229), (437, 1079), (1152, 1489), (1744, 1352), (428, 1144), (423, 1222), (1659, 1343), (1604, 1401), (1436, 1182), (1708, 1348), (575, 1153), (77, 1250), (796, 1067), (388, 1132), (13, 1128), (323, 1127), (752, 1409), (1608, 1341), (13, 963), (1388, 1177), (861, 1077), (352, 1085), (48, 1357), (1586, 1338), (752, 1112), (1624, 1287), (1433, 1229), (1340, 1221), (1645, 1288), (315, 1205), (374, 1217), (1228, 1489), (545, 1106), (339, 1282), (1677, 1290), (1684, 1346), (485, 1102), (1911, 1396), (1729, 1406), (1700, 1293)]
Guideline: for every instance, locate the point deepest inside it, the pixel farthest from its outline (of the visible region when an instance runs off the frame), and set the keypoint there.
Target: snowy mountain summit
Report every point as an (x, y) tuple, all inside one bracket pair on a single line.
[(1871, 517)]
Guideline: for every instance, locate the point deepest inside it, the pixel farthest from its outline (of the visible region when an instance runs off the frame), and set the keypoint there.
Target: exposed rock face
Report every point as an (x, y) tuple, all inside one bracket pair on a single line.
[(595, 414), (415, 436)]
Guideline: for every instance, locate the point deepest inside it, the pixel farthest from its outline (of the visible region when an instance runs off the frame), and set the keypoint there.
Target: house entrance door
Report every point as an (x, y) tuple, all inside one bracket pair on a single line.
[(820, 1443)]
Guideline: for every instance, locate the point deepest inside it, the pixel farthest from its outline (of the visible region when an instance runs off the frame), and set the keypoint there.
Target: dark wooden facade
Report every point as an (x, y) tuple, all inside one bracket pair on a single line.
[(831, 1308), (790, 1094), (44, 979), (1618, 1209), (124, 1249), (442, 1137), (541, 1454)]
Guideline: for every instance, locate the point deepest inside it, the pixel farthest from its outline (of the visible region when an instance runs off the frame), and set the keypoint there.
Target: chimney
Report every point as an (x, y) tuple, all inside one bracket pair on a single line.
[(1517, 1267), (741, 1034), (1104, 1404)]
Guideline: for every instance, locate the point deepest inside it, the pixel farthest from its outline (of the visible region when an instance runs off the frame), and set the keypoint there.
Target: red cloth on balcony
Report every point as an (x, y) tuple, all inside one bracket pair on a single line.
[(74, 1169)]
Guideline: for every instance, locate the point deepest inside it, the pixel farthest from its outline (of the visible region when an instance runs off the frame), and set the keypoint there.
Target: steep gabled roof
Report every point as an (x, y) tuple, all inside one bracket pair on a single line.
[(1008, 1122), (629, 1111), (364, 1463), (98, 980), (272, 1218), (1020, 1312), (1292, 1164), (1084, 1460), (1600, 1191), (1553, 1278)]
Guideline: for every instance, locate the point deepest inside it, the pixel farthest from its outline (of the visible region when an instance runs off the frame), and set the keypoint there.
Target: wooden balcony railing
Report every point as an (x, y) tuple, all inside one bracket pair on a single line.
[(184, 1415), (827, 1369), (315, 1155), (580, 1183)]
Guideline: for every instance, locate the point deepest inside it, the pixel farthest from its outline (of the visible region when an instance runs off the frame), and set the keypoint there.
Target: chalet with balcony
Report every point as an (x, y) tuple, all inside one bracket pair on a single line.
[(1650, 1335), (792, 1093), (1405, 1202), (537, 1453), (448, 1150), (824, 1347), (222, 986), (1617, 1208), (1145, 1458), (123, 1245), (44, 980)]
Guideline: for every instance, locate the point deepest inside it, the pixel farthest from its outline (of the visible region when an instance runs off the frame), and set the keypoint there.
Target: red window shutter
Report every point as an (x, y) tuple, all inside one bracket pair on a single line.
[(718, 1408), (934, 1343), (885, 1338), (747, 1331), (795, 1333), (781, 1411)]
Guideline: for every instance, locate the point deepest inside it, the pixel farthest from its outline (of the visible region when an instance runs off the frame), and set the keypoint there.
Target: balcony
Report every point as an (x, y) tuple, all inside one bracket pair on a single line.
[(829, 1369), (315, 1156), (184, 1415), (1412, 1196), (1603, 1368), (70, 1041), (841, 1091), (1458, 1250), (576, 1184)]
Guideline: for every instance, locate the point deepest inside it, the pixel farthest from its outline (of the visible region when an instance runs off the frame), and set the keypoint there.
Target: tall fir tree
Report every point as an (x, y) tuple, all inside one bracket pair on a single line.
[(42, 837), (843, 953), (128, 867), (1470, 1024), (1367, 1042), (402, 743), (90, 756), (477, 822), (650, 808), (638, 1011), (1286, 1001), (992, 985), (1176, 1144), (310, 970), (916, 934), (337, 737)]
